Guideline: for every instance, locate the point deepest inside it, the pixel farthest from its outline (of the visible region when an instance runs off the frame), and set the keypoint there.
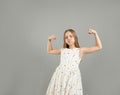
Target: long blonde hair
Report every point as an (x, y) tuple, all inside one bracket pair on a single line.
[(65, 45)]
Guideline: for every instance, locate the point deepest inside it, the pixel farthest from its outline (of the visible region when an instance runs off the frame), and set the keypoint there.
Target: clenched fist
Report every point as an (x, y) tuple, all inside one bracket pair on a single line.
[(52, 37), (91, 31)]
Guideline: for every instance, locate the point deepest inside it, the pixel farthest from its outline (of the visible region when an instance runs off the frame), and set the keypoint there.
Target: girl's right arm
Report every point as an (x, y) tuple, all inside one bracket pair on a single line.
[(50, 48)]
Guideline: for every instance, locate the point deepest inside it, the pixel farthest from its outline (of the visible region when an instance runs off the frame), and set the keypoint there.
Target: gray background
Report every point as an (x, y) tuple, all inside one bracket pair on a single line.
[(25, 66)]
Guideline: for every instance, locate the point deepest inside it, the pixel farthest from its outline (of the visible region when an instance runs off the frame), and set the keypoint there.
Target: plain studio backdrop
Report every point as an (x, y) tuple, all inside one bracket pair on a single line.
[(25, 25)]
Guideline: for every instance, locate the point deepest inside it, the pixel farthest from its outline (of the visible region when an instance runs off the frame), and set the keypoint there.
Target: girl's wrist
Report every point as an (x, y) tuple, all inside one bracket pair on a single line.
[(49, 39), (95, 33)]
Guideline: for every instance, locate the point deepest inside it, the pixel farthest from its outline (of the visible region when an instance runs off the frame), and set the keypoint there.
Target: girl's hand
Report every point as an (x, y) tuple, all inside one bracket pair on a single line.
[(52, 37), (91, 31)]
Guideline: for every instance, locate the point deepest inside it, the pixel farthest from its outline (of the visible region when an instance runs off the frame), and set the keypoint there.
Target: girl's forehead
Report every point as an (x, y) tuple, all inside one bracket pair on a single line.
[(68, 33)]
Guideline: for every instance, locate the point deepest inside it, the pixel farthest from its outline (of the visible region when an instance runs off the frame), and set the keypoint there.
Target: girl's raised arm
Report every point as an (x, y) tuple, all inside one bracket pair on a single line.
[(50, 48), (98, 46)]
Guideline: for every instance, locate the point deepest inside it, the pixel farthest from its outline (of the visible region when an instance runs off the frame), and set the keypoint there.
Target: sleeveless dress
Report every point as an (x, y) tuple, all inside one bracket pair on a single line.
[(66, 79)]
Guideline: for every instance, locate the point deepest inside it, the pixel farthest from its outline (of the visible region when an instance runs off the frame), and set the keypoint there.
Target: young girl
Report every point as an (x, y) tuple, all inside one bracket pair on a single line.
[(66, 79)]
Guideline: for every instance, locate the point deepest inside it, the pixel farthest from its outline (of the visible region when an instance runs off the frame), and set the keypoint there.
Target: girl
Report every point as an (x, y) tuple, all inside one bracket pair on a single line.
[(66, 79)]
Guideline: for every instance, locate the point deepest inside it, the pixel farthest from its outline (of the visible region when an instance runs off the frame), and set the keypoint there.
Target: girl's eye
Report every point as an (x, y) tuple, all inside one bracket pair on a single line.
[(66, 37), (71, 36)]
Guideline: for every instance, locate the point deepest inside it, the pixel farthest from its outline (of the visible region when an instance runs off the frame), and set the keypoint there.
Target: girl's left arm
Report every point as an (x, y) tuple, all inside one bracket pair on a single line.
[(98, 46)]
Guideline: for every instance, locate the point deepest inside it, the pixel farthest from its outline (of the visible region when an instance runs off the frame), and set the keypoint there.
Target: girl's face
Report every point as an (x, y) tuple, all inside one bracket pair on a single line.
[(69, 38)]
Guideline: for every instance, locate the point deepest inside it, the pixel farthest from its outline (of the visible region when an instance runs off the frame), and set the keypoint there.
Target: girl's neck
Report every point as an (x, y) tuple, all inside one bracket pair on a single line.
[(71, 47)]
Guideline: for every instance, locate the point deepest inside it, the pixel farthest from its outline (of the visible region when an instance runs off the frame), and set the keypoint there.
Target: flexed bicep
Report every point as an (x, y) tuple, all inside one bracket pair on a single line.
[(55, 51), (87, 50)]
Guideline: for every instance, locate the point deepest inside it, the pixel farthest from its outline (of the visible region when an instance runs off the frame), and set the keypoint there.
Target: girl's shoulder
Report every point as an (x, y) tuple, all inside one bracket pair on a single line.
[(63, 49)]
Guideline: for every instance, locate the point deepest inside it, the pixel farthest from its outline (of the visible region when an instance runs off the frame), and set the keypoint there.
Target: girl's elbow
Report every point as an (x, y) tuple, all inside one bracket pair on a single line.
[(48, 52), (100, 46)]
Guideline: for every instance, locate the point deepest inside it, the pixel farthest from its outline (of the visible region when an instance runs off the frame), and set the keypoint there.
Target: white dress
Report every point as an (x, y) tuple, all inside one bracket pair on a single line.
[(66, 79)]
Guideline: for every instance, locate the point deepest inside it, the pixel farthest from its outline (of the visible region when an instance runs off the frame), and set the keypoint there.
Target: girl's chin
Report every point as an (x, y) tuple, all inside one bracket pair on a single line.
[(70, 44)]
